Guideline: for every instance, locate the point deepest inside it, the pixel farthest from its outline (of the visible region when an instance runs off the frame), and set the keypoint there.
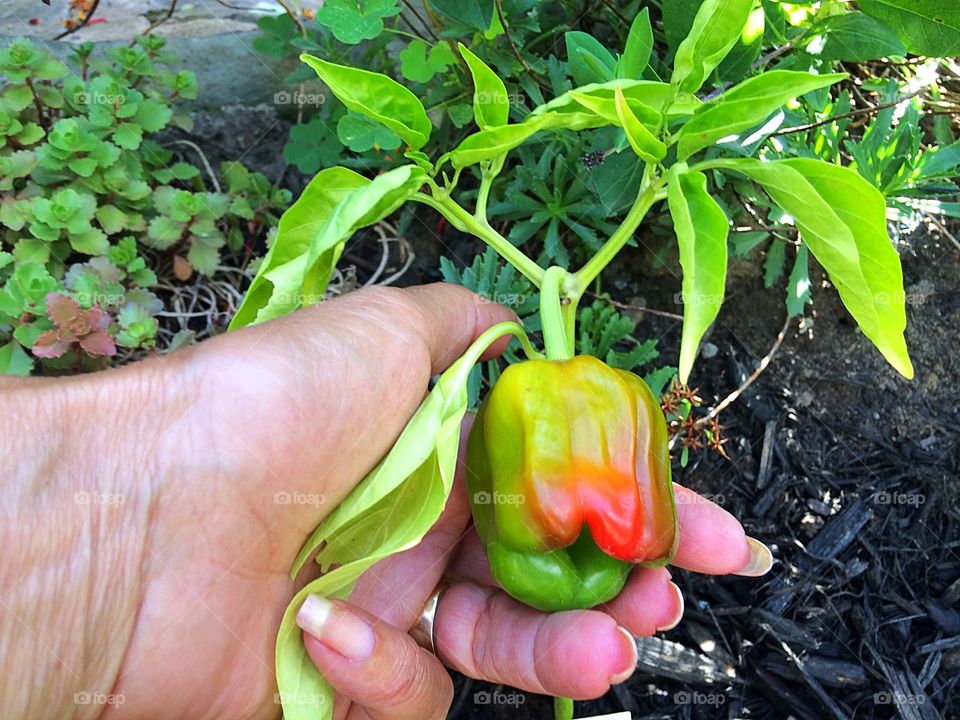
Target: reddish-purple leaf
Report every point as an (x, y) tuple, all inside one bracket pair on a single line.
[(97, 318), (98, 343), (49, 346), (61, 309)]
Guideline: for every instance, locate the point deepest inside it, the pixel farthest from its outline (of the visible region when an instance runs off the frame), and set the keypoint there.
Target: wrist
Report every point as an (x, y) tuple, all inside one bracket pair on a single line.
[(77, 504)]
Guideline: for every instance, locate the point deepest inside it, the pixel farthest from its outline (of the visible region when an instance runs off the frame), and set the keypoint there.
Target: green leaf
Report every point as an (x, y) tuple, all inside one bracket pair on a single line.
[(644, 143), (90, 242), (30, 134), (353, 21), (798, 286), (163, 232), (717, 27), (152, 115), (592, 106), (636, 54), (378, 97), (702, 228), (83, 167), (491, 104), (494, 142), (476, 14), (278, 284), (389, 511), (360, 133), (589, 60), (854, 37), (745, 106), (773, 263), (14, 361), (926, 27), (842, 219), (128, 136), (111, 219), (312, 146), (418, 66), (364, 206)]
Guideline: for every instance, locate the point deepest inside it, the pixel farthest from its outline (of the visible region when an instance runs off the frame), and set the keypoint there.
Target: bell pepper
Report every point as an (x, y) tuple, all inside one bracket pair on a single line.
[(568, 473)]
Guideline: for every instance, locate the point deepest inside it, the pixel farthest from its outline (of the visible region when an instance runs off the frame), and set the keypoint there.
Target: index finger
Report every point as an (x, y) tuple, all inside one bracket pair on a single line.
[(713, 542)]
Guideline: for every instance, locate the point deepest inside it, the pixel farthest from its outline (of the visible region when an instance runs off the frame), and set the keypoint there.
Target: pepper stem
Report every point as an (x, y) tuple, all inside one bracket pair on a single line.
[(562, 708), (557, 315)]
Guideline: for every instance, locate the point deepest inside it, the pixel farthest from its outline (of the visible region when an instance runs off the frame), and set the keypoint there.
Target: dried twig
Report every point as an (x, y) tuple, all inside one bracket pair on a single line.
[(506, 33), (637, 308), (764, 362), (83, 21), (157, 23), (853, 113)]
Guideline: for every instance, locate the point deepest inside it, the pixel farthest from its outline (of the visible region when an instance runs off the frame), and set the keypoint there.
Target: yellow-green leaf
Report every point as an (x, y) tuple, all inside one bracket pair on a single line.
[(644, 143), (702, 228)]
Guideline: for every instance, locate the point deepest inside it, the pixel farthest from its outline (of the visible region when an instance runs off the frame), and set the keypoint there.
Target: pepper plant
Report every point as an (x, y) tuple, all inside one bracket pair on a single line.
[(565, 554)]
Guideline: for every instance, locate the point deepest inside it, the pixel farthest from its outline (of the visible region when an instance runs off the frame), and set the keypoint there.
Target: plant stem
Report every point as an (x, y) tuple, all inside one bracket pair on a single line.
[(648, 196), (461, 219), (555, 317), (562, 708)]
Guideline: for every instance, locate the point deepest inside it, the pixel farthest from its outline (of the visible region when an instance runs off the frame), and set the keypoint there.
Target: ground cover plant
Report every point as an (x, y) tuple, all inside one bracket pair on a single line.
[(91, 203)]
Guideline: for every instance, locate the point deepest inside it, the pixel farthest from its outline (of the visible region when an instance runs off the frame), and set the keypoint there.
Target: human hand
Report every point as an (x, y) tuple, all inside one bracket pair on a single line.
[(227, 456)]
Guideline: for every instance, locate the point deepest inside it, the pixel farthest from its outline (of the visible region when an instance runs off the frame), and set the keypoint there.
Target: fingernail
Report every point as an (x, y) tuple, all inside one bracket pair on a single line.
[(337, 628), (680, 605), (632, 666), (761, 559)]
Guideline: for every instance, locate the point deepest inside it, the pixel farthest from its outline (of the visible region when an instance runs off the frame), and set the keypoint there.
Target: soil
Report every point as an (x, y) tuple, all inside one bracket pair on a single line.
[(846, 470)]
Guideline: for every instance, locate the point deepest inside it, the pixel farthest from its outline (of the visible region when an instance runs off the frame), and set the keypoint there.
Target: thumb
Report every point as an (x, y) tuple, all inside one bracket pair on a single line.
[(373, 663)]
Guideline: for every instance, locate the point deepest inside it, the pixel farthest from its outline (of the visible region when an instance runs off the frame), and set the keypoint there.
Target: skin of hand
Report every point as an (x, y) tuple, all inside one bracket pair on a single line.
[(151, 514)]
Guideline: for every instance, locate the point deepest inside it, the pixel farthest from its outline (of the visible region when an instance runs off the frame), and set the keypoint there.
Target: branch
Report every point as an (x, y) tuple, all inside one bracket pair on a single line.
[(853, 113), (749, 381), (154, 25), (636, 308), (83, 21), (516, 53)]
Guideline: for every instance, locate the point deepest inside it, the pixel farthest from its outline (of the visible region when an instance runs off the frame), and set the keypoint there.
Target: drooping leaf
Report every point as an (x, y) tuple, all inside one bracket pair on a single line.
[(378, 97), (273, 292), (495, 141), (842, 219), (364, 206), (644, 143), (702, 228)]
